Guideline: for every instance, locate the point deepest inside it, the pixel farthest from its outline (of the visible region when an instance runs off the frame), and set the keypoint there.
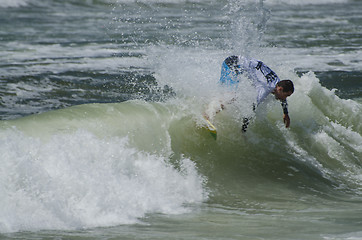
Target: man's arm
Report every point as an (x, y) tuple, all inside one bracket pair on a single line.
[(286, 118)]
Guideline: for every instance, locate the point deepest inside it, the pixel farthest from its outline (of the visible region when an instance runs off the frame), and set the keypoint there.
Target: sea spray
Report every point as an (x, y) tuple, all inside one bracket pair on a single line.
[(248, 23)]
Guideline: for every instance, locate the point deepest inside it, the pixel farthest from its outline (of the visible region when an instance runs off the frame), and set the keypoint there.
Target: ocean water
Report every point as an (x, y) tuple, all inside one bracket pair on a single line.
[(101, 127)]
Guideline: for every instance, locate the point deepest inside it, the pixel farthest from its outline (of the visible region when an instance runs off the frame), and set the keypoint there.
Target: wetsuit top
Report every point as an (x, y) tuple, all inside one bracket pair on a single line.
[(262, 77)]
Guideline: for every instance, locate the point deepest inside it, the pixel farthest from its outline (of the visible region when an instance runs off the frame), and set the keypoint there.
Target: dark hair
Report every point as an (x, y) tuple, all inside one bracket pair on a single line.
[(287, 85)]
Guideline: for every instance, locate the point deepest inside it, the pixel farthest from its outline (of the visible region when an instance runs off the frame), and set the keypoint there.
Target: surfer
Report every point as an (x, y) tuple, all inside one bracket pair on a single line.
[(263, 79)]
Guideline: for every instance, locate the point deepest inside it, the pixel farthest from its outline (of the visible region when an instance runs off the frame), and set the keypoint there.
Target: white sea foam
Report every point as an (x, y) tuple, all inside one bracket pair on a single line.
[(291, 2), (314, 59), (13, 3), (57, 58), (77, 181), (305, 2)]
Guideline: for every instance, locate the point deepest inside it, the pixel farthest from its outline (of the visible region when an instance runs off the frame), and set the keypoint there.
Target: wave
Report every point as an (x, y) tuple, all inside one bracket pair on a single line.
[(82, 167), (107, 164)]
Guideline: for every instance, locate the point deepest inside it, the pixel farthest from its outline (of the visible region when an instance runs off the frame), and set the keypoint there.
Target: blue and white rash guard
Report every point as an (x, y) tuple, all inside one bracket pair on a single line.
[(263, 78)]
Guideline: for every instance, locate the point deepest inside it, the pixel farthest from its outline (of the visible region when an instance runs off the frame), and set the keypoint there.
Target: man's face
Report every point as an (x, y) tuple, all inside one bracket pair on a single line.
[(280, 95)]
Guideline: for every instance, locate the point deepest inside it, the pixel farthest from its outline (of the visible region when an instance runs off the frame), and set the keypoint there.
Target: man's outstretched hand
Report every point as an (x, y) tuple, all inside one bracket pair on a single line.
[(286, 120)]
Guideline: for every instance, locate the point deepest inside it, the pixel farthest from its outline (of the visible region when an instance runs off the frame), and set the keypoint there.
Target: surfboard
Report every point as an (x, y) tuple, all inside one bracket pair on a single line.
[(211, 128)]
